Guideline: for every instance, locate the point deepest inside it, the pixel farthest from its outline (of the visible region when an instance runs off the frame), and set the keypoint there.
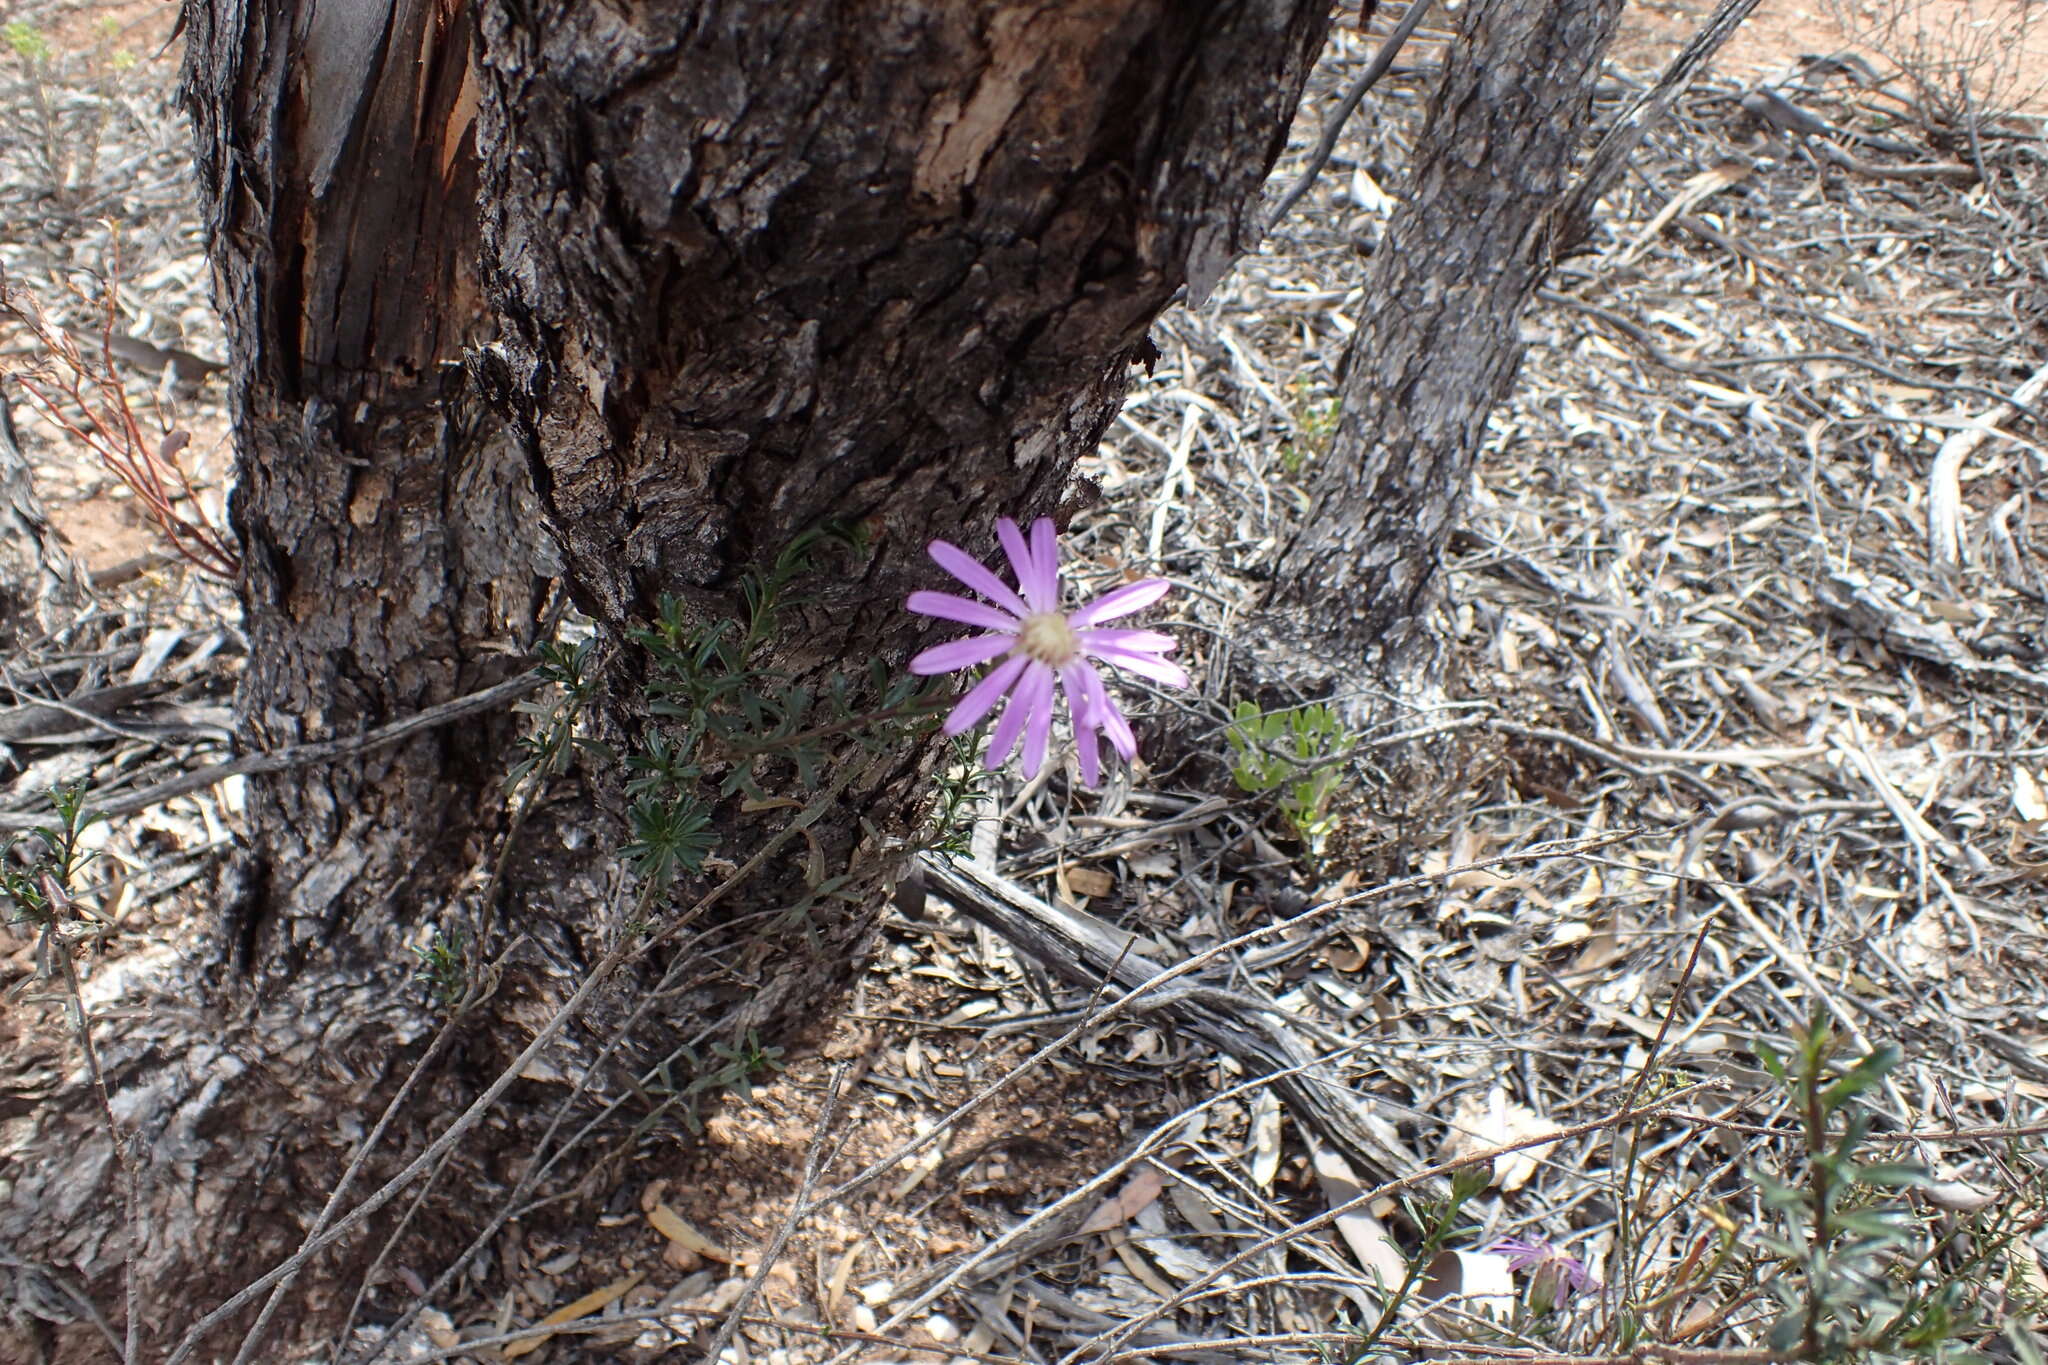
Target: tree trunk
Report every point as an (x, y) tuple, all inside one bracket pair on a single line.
[(385, 524), (760, 266), (1439, 344), (885, 266), (385, 521)]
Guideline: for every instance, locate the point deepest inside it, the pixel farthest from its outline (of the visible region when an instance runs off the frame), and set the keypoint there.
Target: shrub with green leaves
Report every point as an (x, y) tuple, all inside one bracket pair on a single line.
[(725, 721), (27, 41), (443, 971), (1865, 1271), (1314, 427), (38, 870)]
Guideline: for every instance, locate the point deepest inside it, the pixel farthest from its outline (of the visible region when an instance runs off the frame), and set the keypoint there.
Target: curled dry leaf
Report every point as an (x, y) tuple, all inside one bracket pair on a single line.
[(1956, 1196), (1089, 881), (2027, 799), (1141, 1189), (1265, 1162), (671, 1225), (1477, 1283), (594, 1302), (1367, 1237), (842, 1271)]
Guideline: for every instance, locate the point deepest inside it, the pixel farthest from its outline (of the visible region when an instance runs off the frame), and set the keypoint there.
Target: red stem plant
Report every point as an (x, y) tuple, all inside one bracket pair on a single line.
[(82, 395)]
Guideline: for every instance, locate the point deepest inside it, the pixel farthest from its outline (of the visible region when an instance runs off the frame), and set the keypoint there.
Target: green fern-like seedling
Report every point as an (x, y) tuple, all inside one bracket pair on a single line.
[(957, 788), (547, 748), (27, 40), (47, 857), (442, 970), (669, 836), (743, 1064), (1863, 1272), (1313, 430)]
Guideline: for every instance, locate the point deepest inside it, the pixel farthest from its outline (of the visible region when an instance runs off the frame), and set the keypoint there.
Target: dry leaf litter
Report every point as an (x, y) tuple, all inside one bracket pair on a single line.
[(1749, 590)]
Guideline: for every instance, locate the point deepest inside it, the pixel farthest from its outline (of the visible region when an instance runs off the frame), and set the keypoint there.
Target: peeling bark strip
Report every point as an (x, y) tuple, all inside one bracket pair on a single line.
[(1439, 345), (766, 264), (384, 532)]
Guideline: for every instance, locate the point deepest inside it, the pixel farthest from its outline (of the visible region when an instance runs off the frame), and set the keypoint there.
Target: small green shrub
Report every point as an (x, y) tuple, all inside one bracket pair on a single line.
[(1298, 752), (39, 870), (443, 970), (1866, 1271), (27, 40), (1314, 427)]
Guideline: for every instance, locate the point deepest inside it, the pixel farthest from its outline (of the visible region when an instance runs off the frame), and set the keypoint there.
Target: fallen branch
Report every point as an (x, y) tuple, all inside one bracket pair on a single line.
[(1087, 951), (1382, 62), (301, 755)]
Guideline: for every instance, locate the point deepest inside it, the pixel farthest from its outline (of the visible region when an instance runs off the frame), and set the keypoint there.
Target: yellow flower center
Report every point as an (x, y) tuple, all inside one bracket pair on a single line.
[(1046, 637)]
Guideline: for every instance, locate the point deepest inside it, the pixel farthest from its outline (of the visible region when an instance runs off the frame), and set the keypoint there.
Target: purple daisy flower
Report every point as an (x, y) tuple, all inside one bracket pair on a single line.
[(1046, 647), (1557, 1274)]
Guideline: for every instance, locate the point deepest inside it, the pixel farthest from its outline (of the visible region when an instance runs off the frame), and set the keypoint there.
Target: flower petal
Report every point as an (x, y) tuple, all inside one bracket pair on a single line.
[(1038, 707), (1045, 560), (1033, 693), (1137, 641), (1085, 696), (1091, 762), (1022, 564), (1081, 712), (1117, 729), (1082, 683), (947, 607), (970, 571), (1101, 713), (978, 701), (1144, 665), (1121, 602), (1038, 726), (958, 654)]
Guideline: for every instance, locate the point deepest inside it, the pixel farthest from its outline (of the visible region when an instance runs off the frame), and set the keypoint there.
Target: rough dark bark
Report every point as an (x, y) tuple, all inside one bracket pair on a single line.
[(760, 265), (765, 266), (386, 527), (1438, 346), (879, 263)]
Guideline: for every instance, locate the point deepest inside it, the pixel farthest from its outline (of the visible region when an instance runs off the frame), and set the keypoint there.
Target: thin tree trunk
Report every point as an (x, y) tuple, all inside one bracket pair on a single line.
[(1439, 344), (385, 524)]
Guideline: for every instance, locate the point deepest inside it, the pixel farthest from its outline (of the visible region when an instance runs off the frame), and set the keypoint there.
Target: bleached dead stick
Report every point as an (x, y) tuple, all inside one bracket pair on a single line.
[(1944, 481)]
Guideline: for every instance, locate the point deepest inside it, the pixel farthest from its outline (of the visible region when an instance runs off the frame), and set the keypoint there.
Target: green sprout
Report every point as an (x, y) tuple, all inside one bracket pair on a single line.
[(1298, 752), (547, 749), (1313, 430), (1854, 1246), (958, 784), (442, 971), (670, 835), (27, 40), (744, 1064), (28, 874)]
